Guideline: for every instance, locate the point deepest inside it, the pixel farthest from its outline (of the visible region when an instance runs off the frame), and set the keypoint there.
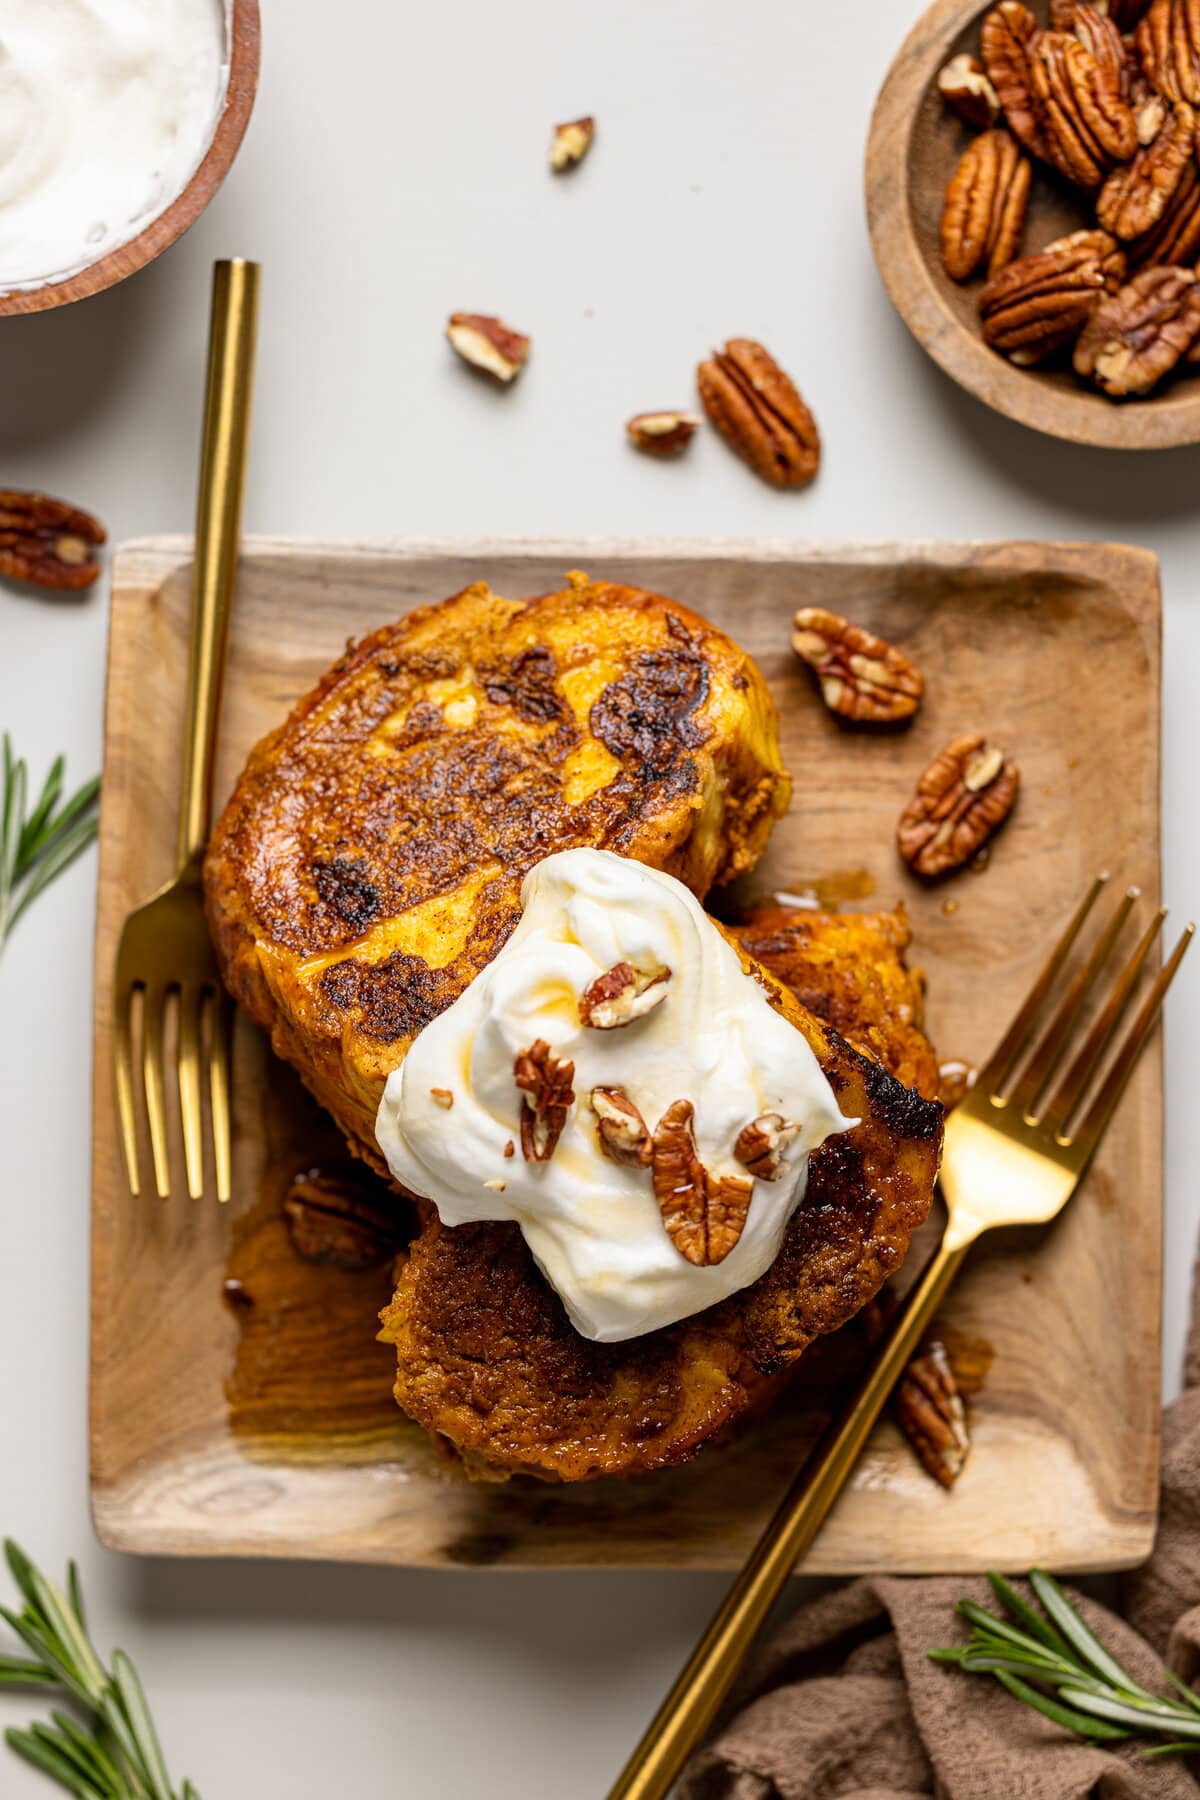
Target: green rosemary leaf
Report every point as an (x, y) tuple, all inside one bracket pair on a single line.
[(133, 1699), (1163, 1716), (35, 825), (1020, 1611), (1085, 1643), (948, 1653), (1001, 1632), (16, 1671), (983, 1662), (1182, 1688), (1077, 1722), (51, 1761), (34, 849), (91, 1755), (79, 803), (1178, 1749), (52, 862), (75, 1594), (10, 828)]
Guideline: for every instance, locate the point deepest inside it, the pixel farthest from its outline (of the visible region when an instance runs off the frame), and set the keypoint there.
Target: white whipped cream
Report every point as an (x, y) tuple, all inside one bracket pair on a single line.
[(106, 108), (594, 1225)]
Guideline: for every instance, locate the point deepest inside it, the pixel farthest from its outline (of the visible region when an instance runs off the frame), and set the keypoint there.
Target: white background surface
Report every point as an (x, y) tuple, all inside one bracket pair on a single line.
[(395, 171)]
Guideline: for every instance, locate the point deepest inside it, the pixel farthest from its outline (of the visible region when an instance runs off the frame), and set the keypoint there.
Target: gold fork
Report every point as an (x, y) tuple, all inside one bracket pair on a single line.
[(1015, 1151), (165, 958)]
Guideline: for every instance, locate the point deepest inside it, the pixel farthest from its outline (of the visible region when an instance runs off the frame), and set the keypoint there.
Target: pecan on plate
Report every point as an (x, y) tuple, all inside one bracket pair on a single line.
[(1134, 198), (1137, 336), (622, 1130), (704, 1214), (571, 144), (546, 1084), (662, 433), (1089, 124), (1043, 301), (984, 211), (758, 411), (964, 86), (1010, 32), (488, 344), (961, 799), (334, 1218), (46, 541), (621, 995), (931, 1413), (761, 1144), (1175, 240), (1168, 43), (862, 677)]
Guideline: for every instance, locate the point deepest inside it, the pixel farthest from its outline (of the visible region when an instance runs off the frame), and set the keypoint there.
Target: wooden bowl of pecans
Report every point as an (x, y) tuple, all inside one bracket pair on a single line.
[(1033, 197)]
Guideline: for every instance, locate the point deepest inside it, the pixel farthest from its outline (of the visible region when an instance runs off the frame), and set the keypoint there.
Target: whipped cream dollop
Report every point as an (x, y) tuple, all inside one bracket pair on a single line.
[(449, 1121), (106, 108)]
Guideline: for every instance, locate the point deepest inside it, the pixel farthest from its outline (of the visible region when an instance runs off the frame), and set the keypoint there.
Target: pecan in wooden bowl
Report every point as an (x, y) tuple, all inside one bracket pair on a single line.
[(1033, 194)]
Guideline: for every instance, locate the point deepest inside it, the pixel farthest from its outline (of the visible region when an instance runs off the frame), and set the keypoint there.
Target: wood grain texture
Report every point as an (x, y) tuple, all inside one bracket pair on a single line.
[(209, 1437), (245, 43), (914, 144)]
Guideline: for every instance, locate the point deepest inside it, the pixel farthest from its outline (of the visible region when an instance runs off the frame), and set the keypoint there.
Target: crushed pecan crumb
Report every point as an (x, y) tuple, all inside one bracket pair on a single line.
[(621, 995), (663, 433), (442, 1097), (546, 1083), (488, 344), (572, 142)]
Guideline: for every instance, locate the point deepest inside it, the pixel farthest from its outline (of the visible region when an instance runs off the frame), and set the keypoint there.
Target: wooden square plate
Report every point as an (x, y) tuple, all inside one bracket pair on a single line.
[(239, 1405)]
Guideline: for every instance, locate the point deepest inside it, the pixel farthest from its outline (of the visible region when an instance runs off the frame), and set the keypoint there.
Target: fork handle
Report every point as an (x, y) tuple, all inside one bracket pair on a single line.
[(232, 328), (689, 1709)]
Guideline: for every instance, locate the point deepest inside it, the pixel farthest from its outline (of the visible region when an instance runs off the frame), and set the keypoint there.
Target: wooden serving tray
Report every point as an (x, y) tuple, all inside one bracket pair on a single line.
[(258, 1421)]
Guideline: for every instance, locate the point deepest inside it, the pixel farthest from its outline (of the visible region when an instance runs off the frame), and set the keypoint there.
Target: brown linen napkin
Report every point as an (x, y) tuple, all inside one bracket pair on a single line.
[(844, 1704)]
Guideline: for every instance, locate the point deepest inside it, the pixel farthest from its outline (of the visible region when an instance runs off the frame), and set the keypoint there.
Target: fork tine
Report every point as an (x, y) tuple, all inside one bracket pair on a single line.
[(220, 1031), (1074, 1083), (1035, 1080), (154, 1004), (123, 1077), (191, 1118), (994, 1071), (1084, 1140)]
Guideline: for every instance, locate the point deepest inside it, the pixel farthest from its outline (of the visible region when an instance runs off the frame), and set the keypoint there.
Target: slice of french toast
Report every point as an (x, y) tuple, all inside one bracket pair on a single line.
[(369, 863)]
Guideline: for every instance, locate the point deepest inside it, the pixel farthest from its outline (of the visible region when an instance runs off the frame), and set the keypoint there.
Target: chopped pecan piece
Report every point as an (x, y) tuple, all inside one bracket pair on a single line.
[(1043, 301), (623, 1132), (931, 1413), (442, 1097), (46, 541), (572, 142), (964, 795), (547, 1084), (1175, 240), (1089, 124), (332, 1218), (963, 85), (1010, 33), (663, 433), (621, 995), (758, 411), (862, 677), (488, 344), (1168, 43), (1137, 336), (986, 201), (704, 1214), (1134, 199), (761, 1145)]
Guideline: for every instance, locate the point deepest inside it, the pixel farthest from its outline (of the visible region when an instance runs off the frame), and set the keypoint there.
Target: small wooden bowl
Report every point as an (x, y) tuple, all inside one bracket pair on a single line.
[(229, 129), (914, 145)]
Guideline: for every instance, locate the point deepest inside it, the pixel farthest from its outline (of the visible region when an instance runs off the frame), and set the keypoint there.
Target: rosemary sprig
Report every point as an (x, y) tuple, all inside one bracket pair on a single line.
[(36, 846), (1054, 1663), (111, 1751)]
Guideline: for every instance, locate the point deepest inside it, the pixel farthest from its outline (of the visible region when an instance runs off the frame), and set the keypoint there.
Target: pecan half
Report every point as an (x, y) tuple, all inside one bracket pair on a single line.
[(488, 344), (1134, 198), (547, 1084), (961, 799), (624, 1135), (964, 86), (621, 995), (46, 541), (761, 1145), (1043, 301), (862, 677), (1089, 124), (572, 142), (332, 1218), (1137, 336), (1010, 33), (931, 1413), (1175, 240), (758, 411), (663, 433), (1098, 33), (704, 1215), (984, 211), (1168, 43)]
